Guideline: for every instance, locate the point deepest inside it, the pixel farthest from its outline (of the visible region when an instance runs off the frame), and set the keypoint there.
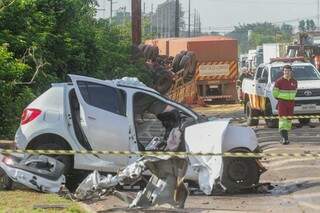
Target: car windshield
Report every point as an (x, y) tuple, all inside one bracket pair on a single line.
[(300, 73)]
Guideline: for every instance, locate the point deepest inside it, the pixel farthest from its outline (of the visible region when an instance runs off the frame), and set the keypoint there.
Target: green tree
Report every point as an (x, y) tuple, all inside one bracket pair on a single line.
[(53, 38), (13, 97), (260, 33), (310, 25), (302, 26)]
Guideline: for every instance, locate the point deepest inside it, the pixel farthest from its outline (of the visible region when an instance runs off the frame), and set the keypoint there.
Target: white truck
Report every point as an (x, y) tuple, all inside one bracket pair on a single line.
[(258, 99), (273, 50)]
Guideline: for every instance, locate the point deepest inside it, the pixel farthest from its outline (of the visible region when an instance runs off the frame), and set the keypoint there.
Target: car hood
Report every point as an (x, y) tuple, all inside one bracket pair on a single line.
[(309, 84), (206, 137), (216, 136)]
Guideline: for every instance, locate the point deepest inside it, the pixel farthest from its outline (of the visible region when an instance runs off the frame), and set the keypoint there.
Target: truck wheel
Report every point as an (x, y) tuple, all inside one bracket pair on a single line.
[(176, 62), (249, 114), (155, 52), (5, 182), (304, 121), (271, 123), (163, 82), (148, 51), (193, 58), (239, 173)]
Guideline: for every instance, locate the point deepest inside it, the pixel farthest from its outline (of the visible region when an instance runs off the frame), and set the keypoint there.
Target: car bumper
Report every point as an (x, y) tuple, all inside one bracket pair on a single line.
[(20, 140)]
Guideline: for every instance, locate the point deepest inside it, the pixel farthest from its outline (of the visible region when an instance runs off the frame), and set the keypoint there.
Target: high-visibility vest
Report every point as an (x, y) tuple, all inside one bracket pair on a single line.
[(285, 89)]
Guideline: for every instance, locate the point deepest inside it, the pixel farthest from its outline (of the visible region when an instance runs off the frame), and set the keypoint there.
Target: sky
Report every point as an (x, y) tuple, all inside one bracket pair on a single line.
[(222, 15)]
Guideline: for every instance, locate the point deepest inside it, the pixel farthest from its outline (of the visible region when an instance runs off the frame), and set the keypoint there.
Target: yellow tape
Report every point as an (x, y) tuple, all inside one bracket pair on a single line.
[(149, 153), (277, 117)]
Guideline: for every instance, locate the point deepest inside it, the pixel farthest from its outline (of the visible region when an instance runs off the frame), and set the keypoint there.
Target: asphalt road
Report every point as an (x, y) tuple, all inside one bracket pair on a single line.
[(295, 181)]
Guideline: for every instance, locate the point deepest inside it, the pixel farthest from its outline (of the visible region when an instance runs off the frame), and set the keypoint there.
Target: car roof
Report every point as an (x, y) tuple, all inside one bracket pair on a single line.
[(281, 64), (127, 82), (131, 82)]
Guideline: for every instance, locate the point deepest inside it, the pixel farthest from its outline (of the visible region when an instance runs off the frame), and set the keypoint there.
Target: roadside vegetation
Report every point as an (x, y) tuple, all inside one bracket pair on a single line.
[(42, 41), (26, 201)]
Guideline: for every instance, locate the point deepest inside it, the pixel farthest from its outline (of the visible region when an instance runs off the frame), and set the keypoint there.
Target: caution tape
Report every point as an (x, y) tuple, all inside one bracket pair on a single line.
[(276, 117), (153, 153)]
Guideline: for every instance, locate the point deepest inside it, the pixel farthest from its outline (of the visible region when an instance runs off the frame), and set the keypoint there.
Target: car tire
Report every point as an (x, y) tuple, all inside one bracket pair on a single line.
[(69, 173), (271, 123), (239, 174), (304, 121), (5, 182), (249, 114)]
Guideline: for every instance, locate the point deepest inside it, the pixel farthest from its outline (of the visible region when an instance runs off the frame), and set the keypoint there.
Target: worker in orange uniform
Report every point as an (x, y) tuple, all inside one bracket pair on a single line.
[(284, 91)]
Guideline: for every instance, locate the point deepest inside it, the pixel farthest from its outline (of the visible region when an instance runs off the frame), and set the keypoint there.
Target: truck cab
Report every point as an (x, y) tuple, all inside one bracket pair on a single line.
[(258, 98)]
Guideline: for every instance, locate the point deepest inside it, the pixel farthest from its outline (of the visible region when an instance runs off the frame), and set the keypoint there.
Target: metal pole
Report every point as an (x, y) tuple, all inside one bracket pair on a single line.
[(318, 16), (177, 19), (136, 21), (189, 19), (194, 22), (144, 8), (111, 3), (151, 19)]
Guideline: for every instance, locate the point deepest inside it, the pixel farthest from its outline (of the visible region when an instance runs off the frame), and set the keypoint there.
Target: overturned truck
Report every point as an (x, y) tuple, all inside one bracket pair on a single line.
[(193, 70)]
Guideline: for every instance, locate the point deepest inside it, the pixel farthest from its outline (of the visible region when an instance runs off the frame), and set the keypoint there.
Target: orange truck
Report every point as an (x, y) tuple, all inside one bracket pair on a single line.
[(216, 69)]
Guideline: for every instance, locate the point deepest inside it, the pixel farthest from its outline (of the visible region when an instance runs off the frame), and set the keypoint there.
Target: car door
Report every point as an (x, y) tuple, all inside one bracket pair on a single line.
[(261, 85), (103, 116)]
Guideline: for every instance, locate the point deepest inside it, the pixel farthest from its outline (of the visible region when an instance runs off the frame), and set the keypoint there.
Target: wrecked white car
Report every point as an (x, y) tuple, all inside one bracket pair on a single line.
[(125, 115)]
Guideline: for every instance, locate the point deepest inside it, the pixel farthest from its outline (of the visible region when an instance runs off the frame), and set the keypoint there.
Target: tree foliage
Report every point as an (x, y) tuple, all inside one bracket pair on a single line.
[(12, 97), (55, 38), (307, 25), (252, 35)]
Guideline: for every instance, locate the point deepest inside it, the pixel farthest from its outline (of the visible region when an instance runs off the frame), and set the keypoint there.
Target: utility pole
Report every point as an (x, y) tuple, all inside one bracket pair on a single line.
[(144, 8), (177, 19), (318, 16), (111, 4), (136, 21), (189, 19), (151, 19), (199, 24), (194, 22)]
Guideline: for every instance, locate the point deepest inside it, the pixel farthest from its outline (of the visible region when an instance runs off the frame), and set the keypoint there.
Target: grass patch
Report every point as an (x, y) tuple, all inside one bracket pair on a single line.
[(23, 200)]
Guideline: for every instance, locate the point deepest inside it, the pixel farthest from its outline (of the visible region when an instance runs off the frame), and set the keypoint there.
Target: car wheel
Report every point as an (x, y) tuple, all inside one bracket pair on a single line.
[(249, 114), (5, 182), (304, 121), (239, 174), (271, 123), (65, 159), (71, 178)]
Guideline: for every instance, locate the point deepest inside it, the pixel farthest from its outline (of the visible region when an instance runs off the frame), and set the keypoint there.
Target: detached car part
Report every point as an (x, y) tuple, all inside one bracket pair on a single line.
[(164, 187), (40, 173)]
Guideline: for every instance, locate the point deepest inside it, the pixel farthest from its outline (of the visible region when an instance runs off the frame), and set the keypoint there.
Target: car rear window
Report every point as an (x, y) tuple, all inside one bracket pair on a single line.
[(103, 97), (300, 73)]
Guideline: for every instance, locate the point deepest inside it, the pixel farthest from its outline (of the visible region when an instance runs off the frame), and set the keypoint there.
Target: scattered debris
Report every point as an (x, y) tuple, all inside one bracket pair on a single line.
[(164, 187)]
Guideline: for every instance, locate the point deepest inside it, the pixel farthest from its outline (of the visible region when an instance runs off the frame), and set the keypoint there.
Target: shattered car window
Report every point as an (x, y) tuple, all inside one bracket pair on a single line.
[(155, 119)]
